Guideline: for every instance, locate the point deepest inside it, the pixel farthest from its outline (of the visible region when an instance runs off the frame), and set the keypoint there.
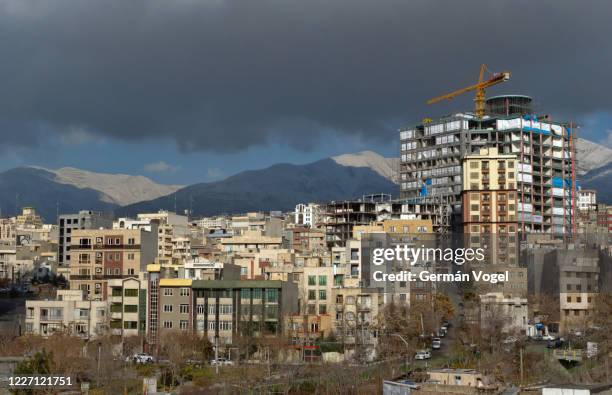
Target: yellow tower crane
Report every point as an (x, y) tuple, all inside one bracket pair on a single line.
[(479, 87)]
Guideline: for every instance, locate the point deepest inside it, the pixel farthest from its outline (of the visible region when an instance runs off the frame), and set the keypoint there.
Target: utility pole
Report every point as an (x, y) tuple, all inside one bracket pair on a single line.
[(216, 353), (98, 373), (521, 356)]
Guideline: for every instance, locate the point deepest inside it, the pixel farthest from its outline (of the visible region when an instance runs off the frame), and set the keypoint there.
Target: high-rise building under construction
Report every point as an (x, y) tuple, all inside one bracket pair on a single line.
[(432, 176)]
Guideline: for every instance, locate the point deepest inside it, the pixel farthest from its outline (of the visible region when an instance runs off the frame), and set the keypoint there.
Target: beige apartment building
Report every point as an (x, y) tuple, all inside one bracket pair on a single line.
[(354, 318), (251, 241), (100, 255), (70, 313), (489, 192), (127, 306)]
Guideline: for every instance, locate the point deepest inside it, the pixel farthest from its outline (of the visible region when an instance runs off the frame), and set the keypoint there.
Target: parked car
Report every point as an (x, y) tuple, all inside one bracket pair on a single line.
[(436, 343), (548, 337), (422, 354), (510, 340), (141, 358), (556, 343), (221, 362)]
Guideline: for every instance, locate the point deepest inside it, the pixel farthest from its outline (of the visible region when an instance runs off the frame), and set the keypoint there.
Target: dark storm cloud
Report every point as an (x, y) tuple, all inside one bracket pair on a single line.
[(225, 75)]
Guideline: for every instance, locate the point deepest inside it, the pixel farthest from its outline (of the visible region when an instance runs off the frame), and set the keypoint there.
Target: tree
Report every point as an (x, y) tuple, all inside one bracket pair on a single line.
[(443, 306), (182, 346), (39, 363)]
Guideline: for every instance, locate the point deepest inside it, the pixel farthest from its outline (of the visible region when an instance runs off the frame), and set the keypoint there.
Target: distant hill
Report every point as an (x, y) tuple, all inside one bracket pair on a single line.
[(591, 155), (386, 167), (120, 189), (279, 187), (599, 179), (27, 186)]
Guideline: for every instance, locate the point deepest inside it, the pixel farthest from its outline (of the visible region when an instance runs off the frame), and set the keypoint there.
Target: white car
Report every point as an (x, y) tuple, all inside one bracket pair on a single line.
[(548, 337), (221, 362), (436, 343), (141, 358), (422, 354), (510, 340)]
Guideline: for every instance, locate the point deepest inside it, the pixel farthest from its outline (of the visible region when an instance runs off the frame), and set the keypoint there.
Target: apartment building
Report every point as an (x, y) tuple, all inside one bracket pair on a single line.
[(502, 313), (70, 313), (569, 273), (100, 255), (354, 318), (127, 306), (578, 288), (305, 240), (431, 171), (587, 200), (8, 259), (307, 214), (67, 223), (218, 309), (250, 241), (169, 226), (213, 223)]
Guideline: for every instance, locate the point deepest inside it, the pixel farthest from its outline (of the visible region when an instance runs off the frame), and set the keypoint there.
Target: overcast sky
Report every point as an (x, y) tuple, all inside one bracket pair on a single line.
[(194, 90)]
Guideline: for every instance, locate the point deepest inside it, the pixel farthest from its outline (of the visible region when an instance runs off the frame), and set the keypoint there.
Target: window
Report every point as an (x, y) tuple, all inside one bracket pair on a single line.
[(200, 309), (116, 292), (322, 280), (184, 291), (130, 308), (578, 299), (312, 295), (131, 241), (473, 165), (184, 309), (130, 256), (183, 325), (130, 324), (322, 309), (167, 308), (168, 292), (312, 280), (130, 271), (168, 324), (272, 295), (569, 299), (322, 294)]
